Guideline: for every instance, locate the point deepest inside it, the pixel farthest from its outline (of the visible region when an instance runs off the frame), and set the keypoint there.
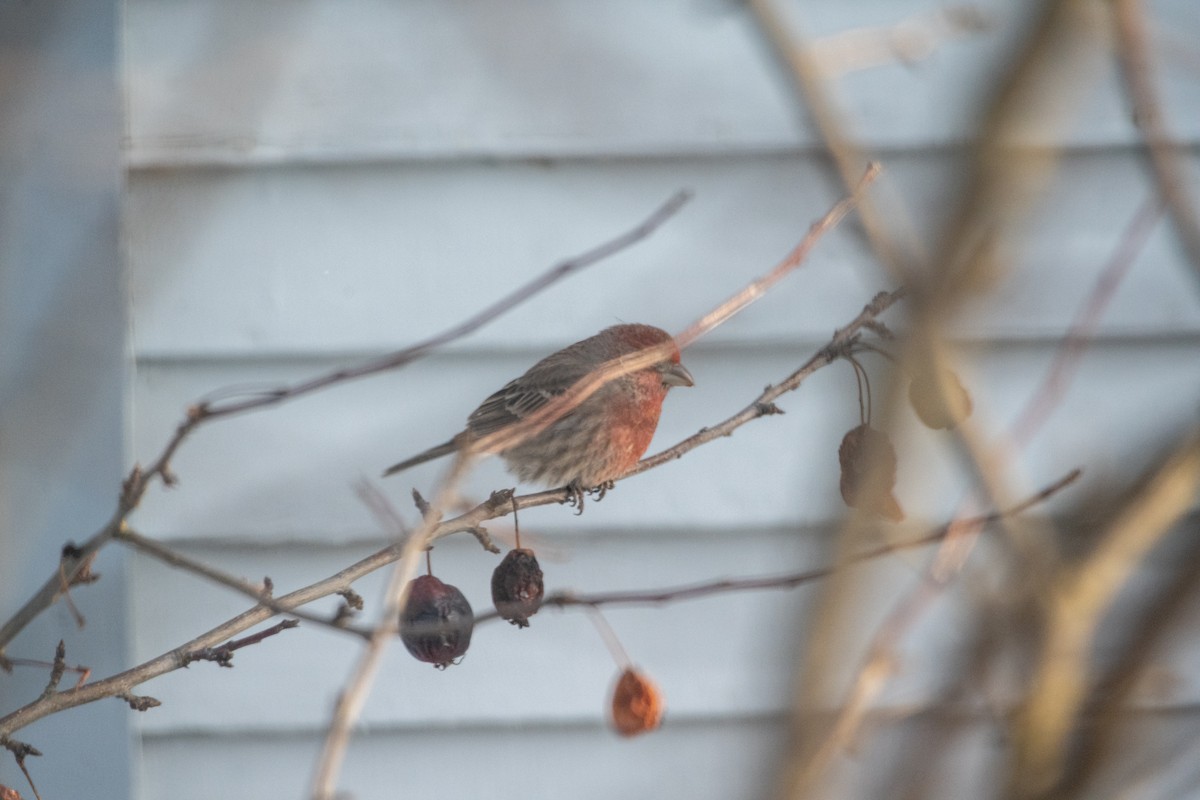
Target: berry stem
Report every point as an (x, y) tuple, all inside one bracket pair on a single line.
[(610, 638), (516, 525), (861, 378)]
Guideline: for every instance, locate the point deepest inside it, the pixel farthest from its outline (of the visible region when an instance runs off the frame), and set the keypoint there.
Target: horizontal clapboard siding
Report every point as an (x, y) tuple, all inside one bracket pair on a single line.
[(729, 759), (351, 258), (925, 755), (311, 184), (372, 80)]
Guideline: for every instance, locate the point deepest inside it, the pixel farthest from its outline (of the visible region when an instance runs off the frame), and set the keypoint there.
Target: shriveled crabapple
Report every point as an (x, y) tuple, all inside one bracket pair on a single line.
[(436, 622)]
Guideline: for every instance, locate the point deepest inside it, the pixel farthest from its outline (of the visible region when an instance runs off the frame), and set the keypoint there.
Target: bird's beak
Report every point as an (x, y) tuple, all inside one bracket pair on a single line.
[(677, 375)]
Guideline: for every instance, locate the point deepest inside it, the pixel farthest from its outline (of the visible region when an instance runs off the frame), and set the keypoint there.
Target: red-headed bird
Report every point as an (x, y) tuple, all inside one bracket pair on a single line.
[(599, 440)]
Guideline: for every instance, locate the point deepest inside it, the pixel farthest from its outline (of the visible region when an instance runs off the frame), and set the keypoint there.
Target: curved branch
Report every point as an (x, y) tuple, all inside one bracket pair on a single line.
[(1167, 164), (788, 580)]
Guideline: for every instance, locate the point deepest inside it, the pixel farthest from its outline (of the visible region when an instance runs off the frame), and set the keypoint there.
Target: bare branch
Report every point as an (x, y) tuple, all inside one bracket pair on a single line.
[(1078, 602), (1166, 157), (909, 41), (791, 579), (223, 655), (260, 592), (83, 672), (57, 669), (1018, 147), (20, 752), (764, 403), (381, 508), (516, 297), (808, 77), (1083, 327)]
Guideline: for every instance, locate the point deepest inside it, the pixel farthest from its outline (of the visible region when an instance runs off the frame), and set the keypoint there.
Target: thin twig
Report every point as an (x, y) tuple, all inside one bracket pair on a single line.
[(472, 324), (788, 580), (83, 672), (56, 669), (516, 525), (763, 405), (21, 751), (64, 585), (1083, 327), (1167, 162), (915, 38), (381, 507), (262, 593), (223, 654), (809, 80)]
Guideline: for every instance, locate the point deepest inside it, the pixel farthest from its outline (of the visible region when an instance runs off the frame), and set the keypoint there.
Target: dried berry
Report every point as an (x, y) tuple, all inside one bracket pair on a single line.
[(436, 622), (637, 705), (865, 449), (929, 405), (517, 587)]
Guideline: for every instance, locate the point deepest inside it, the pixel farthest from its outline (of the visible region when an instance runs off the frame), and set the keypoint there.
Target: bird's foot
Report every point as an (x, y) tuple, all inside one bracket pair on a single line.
[(598, 492), (576, 493)]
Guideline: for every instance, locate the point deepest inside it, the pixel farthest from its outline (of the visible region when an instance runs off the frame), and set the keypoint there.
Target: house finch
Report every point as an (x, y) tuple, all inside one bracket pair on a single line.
[(600, 439)]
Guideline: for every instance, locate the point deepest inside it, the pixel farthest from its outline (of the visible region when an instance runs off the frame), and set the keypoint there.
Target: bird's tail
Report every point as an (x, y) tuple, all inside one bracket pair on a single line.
[(420, 458)]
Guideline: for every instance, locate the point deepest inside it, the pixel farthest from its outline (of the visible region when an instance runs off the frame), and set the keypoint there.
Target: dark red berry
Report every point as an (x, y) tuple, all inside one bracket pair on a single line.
[(865, 449), (517, 587), (436, 622)]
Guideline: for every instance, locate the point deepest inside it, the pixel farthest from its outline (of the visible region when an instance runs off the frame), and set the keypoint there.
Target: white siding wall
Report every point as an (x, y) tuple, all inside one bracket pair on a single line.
[(314, 182)]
